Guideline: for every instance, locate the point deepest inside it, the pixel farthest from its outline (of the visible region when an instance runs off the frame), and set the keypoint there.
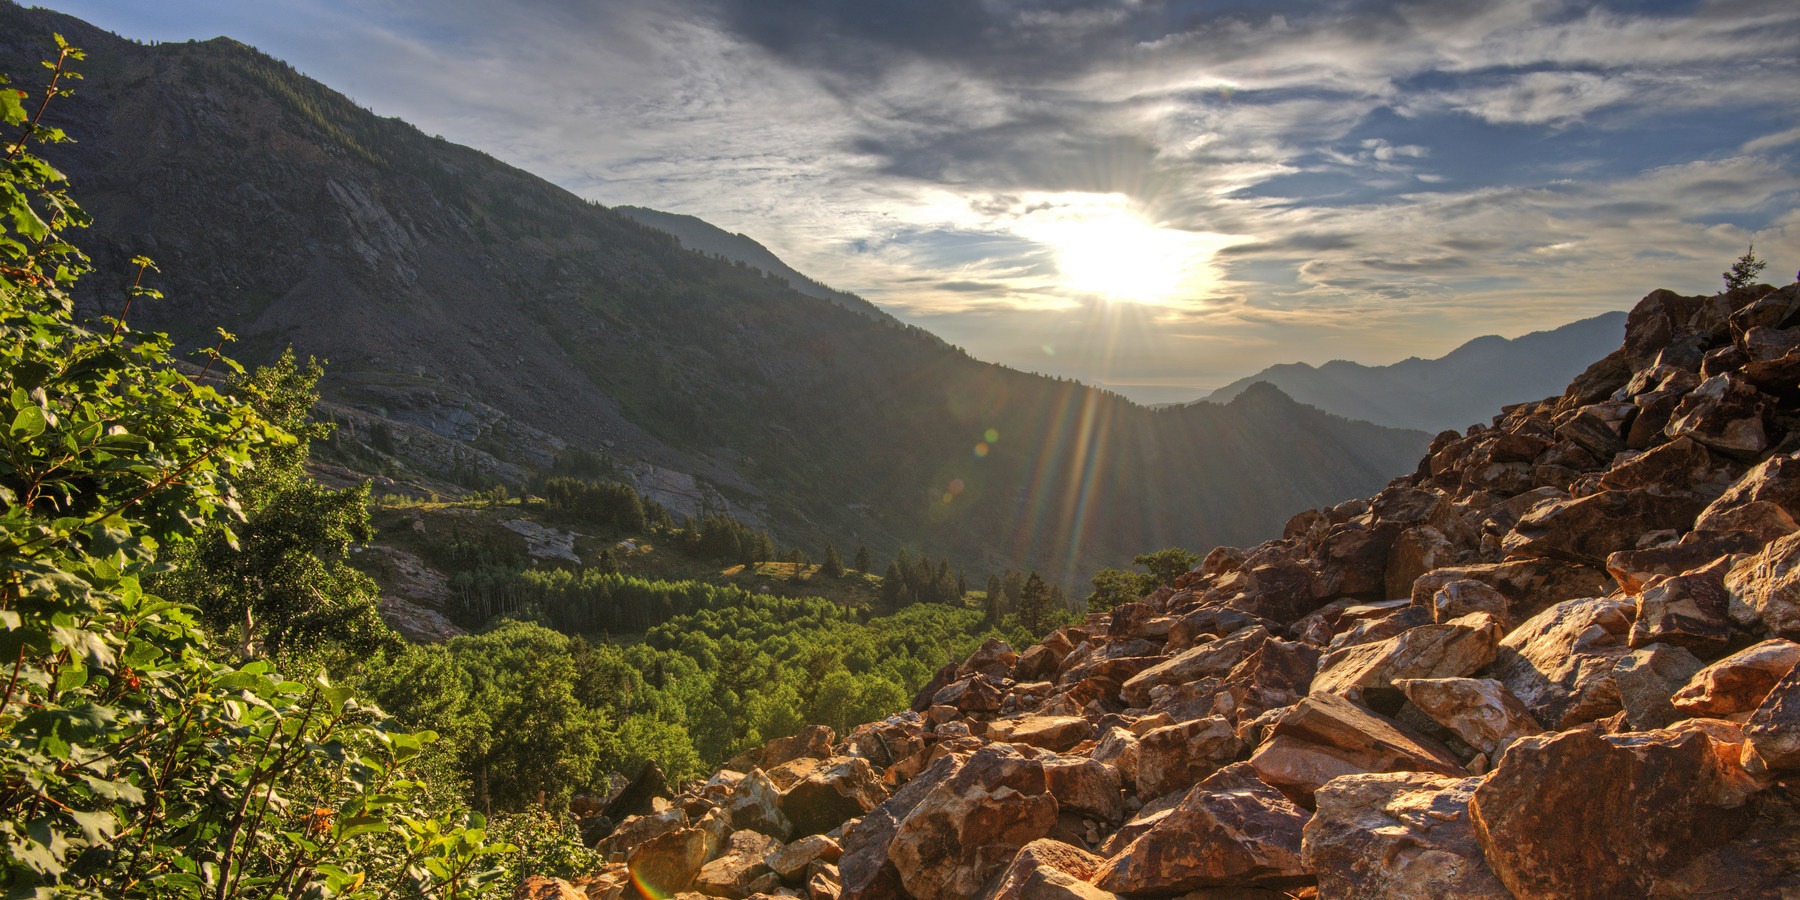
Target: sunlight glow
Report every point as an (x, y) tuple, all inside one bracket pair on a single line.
[(1105, 248)]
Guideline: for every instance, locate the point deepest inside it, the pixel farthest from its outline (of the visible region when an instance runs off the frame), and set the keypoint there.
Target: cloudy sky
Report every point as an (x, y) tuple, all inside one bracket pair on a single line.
[(1156, 196)]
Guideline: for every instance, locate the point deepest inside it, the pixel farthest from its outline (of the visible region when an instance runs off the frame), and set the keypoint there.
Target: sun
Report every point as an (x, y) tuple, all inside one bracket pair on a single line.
[(1104, 248)]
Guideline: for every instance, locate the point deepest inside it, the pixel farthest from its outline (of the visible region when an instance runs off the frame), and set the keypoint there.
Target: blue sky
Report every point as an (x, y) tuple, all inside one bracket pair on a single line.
[(1151, 195)]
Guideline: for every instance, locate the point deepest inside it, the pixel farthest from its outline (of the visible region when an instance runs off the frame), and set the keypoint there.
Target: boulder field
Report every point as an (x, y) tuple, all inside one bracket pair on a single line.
[(1557, 660)]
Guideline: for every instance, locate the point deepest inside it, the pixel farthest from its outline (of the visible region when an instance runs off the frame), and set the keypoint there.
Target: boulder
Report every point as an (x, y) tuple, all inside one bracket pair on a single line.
[(1211, 659), (1588, 529), (1229, 830), (1274, 675), (1085, 786), (1772, 733), (1738, 683), (1681, 466), (819, 794), (1559, 662), (1647, 677), (1049, 870), (1765, 588), (1281, 591), (755, 804), (974, 694), (971, 825), (889, 740), (1416, 551), (1578, 815), (667, 864), (811, 741), (739, 864), (1688, 610), (1464, 596), (1398, 836), (1530, 584), (1057, 733), (1481, 711), (1366, 672), (537, 887), (1726, 413), (640, 796), (638, 829), (1176, 757), (1765, 502), (790, 860), (865, 871), (994, 658), (1325, 736)]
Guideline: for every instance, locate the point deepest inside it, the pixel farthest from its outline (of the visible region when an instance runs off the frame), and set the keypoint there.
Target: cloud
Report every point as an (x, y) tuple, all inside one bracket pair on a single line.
[(1369, 180)]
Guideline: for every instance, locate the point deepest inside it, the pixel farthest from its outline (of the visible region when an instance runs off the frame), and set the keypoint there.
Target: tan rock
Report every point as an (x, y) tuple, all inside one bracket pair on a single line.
[(1416, 551), (1325, 736), (1738, 683), (1398, 836), (1559, 662), (667, 864), (1634, 569), (1084, 786), (889, 740), (1049, 870), (1057, 733), (1118, 748), (1647, 677), (1588, 529), (1772, 732), (1578, 815), (638, 829), (537, 887), (970, 825), (1211, 659), (994, 658), (1725, 413), (791, 859), (739, 864), (1229, 830), (1178, 756), (865, 871), (1464, 596), (1450, 650), (819, 794), (1481, 711), (1689, 610), (1765, 588), (755, 803), (824, 883), (1530, 584)]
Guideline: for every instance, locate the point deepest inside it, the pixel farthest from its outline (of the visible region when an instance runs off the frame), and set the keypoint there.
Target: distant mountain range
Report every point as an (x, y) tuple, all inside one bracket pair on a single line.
[(1449, 392), (479, 323)]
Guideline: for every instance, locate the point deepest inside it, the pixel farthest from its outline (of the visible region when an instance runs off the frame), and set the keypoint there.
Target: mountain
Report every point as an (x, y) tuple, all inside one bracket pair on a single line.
[(480, 323), (701, 236), (1555, 661), (1437, 394)]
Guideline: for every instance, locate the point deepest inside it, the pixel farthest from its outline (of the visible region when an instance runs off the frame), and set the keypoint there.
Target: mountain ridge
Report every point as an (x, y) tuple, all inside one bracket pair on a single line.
[(1432, 395)]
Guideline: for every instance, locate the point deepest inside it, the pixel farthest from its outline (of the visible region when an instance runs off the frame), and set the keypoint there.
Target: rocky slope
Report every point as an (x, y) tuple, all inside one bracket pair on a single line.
[(477, 321), (1450, 391), (1557, 660)]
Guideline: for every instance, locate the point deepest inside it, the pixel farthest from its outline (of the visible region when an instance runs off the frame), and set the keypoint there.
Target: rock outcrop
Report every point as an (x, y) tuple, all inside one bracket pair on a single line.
[(1554, 661)]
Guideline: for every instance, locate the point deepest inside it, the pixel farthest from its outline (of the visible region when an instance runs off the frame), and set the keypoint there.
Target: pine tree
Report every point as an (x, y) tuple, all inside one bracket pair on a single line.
[(862, 559), (833, 567), (994, 603), (1035, 604), (1743, 272), (893, 583)]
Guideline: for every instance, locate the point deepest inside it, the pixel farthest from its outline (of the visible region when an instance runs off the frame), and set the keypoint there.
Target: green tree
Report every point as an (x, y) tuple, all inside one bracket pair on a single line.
[(134, 758), (1115, 586), (1166, 565), (862, 559), (1036, 605), (280, 578), (1743, 272), (833, 566)]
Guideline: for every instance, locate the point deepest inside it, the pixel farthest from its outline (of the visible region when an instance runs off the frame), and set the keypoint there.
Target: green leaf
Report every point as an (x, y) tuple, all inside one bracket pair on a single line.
[(29, 423)]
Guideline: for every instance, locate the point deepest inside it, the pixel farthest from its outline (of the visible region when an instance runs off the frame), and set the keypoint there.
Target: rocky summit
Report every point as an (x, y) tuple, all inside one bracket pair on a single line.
[(1557, 660)]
